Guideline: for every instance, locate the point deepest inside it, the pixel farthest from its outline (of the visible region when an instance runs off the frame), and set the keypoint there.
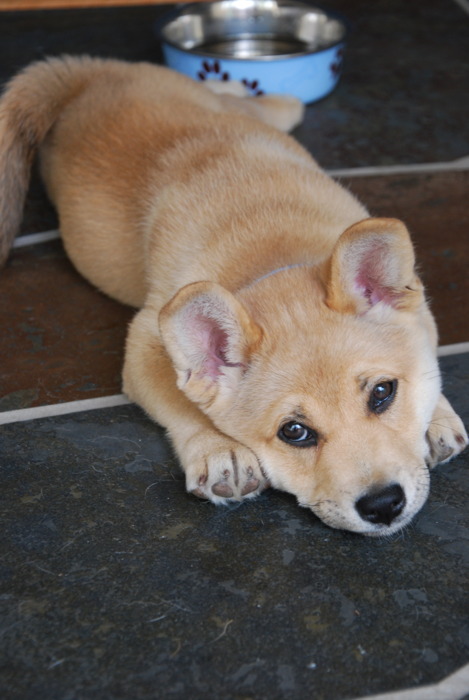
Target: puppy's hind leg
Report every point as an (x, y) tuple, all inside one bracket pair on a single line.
[(281, 111), (446, 435), (227, 87)]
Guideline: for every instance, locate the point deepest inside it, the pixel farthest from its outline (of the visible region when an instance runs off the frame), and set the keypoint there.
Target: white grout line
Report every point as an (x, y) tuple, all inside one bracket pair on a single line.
[(455, 165), (453, 687), (463, 4), (455, 349), (35, 238), (61, 409)]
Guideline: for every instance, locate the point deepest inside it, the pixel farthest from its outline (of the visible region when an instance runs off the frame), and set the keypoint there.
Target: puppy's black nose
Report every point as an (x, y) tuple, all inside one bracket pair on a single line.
[(381, 506)]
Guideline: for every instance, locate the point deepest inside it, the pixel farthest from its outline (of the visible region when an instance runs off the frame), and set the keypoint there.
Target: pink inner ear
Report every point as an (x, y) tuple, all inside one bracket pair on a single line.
[(372, 276), (213, 344)]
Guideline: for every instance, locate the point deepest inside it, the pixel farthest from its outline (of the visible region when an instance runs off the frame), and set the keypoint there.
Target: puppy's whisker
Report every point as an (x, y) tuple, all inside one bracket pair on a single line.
[(317, 504), (443, 426), (430, 376)]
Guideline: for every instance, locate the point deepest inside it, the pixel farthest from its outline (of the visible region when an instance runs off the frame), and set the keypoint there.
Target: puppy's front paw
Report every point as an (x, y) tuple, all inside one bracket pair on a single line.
[(222, 470), (446, 435)]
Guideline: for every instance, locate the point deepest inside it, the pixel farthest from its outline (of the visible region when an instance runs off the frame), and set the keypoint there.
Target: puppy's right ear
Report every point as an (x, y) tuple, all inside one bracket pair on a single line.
[(210, 338), (373, 263)]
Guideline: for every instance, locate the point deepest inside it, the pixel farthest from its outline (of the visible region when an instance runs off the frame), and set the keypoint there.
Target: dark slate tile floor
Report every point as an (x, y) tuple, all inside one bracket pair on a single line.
[(116, 584)]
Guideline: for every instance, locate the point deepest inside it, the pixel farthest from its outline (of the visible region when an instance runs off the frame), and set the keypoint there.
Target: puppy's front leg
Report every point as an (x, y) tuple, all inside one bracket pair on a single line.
[(217, 467), (446, 435)]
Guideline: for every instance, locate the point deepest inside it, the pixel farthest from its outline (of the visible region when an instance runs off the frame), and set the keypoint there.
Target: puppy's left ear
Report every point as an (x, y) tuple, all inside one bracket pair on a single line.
[(210, 338), (372, 262)]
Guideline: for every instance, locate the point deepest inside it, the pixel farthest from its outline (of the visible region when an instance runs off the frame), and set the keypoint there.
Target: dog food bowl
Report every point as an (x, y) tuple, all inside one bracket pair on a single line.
[(272, 46)]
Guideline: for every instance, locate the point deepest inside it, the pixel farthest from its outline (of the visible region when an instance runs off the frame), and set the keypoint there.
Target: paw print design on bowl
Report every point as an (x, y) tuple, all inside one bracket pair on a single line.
[(252, 86), (212, 70), (336, 65)]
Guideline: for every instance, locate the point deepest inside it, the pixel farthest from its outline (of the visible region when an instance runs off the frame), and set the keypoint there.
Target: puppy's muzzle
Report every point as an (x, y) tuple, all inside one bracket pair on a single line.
[(381, 506)]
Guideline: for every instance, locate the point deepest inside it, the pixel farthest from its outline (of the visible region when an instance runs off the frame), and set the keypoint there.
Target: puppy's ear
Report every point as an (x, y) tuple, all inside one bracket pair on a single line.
[(210, 337), (372, 262)]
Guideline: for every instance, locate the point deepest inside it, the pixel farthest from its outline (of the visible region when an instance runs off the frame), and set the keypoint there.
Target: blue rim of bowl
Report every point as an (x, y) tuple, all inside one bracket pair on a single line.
[(174, 14)]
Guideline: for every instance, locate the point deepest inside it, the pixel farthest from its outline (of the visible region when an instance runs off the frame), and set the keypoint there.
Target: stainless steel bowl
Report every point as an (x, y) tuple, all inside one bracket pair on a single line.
[(284, 46)]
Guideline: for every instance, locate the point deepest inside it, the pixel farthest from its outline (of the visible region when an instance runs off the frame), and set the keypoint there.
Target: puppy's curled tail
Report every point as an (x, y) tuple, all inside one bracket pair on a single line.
[(30, 105)]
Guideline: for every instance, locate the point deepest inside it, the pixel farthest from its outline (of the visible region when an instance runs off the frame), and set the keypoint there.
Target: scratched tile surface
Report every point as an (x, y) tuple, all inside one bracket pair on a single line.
[(61, 339)]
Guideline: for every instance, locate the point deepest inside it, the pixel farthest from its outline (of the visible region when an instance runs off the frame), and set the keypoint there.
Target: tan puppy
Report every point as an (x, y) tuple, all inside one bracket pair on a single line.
[(283, 336)]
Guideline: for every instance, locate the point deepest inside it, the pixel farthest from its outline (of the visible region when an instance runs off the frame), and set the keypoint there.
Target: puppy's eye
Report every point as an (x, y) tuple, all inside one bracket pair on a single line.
[(382, 396), (298, 434)]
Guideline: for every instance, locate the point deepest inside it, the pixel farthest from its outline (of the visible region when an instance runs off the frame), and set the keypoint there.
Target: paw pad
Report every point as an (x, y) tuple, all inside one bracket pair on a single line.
[(250, 486), (223, 489)]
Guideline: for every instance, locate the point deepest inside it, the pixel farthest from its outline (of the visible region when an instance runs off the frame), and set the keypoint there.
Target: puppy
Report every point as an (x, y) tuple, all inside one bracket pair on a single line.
[(283, 336)]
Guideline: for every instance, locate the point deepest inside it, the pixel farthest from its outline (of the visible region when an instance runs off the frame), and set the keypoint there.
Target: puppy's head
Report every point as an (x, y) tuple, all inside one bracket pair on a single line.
[(327, 373)]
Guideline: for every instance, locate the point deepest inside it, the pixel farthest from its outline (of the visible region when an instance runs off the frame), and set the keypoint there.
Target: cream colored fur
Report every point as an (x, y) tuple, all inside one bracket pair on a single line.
[(267, 296)]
